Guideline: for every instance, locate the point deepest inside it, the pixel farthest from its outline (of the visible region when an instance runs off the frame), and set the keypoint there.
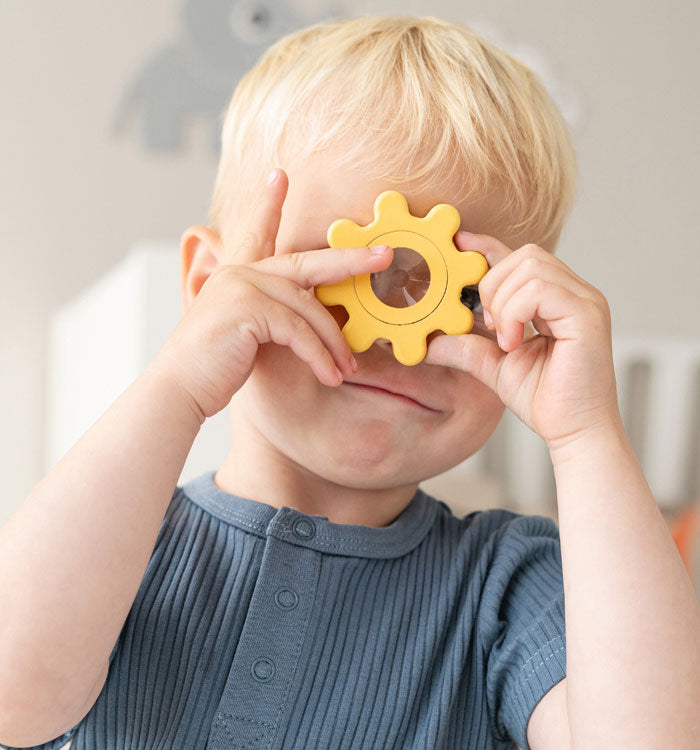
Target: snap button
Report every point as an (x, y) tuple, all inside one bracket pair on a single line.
[(263, 670), (304, 528), (286, 598)]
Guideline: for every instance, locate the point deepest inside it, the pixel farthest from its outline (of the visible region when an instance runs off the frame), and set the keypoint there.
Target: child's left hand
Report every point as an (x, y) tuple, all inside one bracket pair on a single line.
[(560, 383)]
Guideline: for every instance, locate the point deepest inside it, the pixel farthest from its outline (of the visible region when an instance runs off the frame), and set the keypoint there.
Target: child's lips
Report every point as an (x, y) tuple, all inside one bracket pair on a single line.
[(394, 393)]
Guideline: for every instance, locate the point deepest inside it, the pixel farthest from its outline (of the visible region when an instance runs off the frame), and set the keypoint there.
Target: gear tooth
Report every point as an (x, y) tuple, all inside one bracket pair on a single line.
[(473, 266), (391, 205), (359, 337), (333, 294), (456, 319), (445, 218), (409, 347), (344, 233), (325, 295)]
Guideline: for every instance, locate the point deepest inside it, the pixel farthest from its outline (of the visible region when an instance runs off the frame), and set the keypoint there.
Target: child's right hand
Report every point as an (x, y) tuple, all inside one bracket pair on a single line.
[(262, 298)]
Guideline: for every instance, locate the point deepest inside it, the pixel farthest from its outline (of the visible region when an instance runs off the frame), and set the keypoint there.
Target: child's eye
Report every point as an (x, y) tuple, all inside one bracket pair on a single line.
[(470, 298)]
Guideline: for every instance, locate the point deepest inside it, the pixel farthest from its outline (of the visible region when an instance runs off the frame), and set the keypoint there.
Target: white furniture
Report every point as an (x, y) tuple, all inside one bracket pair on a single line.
[(100, 342)]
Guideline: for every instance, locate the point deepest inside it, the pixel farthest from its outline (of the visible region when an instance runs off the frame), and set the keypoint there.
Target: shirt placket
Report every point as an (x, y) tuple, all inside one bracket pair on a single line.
[(266, 660)]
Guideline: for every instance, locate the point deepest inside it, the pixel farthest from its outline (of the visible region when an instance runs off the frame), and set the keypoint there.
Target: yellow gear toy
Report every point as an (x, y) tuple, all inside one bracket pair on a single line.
[(439, 308)]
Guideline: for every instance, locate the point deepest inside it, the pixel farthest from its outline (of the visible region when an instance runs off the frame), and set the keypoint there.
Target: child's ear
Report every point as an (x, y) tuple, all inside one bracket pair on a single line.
[(200, 250)]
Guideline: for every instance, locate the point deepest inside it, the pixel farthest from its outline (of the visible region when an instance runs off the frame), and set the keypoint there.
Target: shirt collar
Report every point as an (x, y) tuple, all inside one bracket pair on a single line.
[(405, 532)]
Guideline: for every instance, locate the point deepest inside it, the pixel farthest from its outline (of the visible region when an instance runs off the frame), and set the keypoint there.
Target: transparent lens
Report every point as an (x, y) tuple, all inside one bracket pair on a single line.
[(406, 280)]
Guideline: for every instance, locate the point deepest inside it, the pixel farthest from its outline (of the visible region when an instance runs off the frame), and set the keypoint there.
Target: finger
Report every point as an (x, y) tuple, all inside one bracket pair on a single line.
[(303, 303), (530, 268), (564, 312), (495, 252), (492, 249), (328, 265), (528, 255), (259, 241), (476, 355), (289, 329)]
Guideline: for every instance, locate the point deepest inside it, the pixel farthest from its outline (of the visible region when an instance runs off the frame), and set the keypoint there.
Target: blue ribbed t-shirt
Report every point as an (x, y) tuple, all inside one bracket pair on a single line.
[(260, 627)]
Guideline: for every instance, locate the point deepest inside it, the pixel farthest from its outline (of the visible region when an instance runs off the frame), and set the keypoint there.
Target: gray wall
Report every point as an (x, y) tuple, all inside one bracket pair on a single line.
[(74, 198)]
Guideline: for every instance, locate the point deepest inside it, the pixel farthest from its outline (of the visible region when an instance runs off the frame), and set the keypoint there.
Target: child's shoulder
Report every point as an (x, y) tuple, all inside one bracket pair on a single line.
[(494, 527)]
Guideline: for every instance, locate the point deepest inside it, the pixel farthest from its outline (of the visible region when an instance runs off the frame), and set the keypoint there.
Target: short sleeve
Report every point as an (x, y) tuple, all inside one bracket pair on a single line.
[(521, 621), (59, 742)]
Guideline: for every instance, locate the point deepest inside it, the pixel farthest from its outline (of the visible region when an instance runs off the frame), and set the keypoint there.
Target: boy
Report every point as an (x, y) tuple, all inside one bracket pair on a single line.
[(308, 593)]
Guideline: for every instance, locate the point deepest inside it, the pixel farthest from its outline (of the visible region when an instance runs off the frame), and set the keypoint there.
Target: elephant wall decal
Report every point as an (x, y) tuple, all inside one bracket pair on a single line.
[(195, 75)]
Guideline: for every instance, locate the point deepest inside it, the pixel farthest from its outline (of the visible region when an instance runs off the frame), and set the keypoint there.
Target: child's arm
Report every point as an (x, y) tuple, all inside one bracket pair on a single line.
[(632, 615), (74, 553)]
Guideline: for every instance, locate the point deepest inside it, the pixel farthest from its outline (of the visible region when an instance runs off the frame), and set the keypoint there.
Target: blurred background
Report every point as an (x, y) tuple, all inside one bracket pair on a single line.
[(111, 115)]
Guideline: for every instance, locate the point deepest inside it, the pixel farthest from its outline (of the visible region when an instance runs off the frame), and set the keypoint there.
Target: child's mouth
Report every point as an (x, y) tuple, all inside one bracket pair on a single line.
[(390, 394)]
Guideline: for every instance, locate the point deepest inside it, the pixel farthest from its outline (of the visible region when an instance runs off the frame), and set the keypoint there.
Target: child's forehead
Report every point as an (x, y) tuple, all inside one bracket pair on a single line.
[(317, 197)]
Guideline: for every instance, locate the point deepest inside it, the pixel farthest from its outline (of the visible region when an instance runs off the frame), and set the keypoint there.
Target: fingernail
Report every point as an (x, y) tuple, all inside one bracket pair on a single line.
[(464, 233), (500, 339), (353, 363), (487, 318), (379, 249), (339, 374), (273, 176)]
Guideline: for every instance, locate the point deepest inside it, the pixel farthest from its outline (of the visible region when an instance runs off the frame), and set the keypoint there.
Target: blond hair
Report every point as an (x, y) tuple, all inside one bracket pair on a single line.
[(406, 98)]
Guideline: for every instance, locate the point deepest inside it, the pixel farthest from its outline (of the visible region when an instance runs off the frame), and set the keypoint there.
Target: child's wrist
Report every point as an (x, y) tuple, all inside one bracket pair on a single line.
[(607, 431), (166, 381)]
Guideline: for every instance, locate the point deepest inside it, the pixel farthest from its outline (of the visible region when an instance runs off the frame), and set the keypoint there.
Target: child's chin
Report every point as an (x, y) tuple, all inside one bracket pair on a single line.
[(366, 442)]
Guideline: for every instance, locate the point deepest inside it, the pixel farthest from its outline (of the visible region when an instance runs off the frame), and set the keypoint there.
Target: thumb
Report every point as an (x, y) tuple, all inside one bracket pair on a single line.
[(469, 352)]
